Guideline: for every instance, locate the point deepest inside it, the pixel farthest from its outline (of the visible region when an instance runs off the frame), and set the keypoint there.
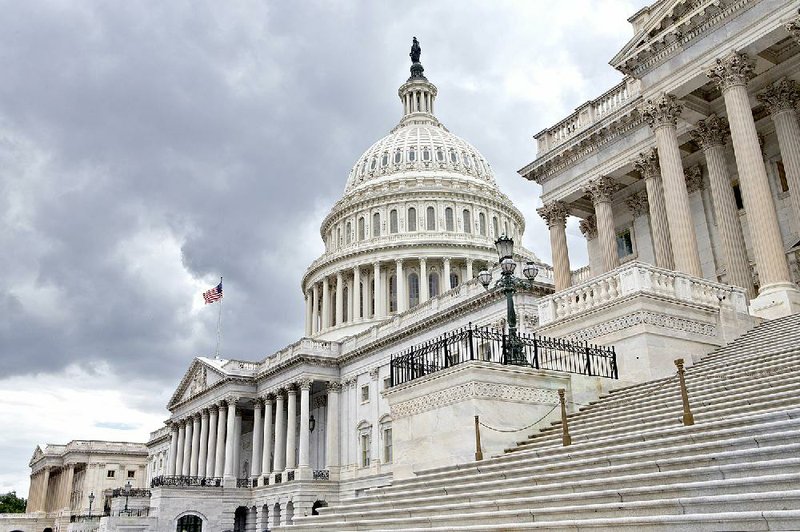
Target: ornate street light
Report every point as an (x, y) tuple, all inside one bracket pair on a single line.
[(127, 492), (91, 501), (508, 284)]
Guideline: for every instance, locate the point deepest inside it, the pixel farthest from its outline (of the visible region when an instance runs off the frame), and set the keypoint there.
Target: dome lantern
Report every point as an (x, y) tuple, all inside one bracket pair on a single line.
[(417, 94)]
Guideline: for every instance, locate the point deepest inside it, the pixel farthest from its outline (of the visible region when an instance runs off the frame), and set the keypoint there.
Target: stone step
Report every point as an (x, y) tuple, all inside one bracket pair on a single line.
[(537, 497), (765, 501)]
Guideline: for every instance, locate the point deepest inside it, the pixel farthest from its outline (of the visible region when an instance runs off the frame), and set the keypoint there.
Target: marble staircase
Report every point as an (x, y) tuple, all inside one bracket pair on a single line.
[(632, 462)]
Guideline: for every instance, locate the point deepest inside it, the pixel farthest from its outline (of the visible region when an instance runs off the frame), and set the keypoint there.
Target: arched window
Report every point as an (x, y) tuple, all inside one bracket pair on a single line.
[(466, 160), (393, 221), (433, 284), (360, 301), (392, 293), (361, 228), (345, 306), (411, 221), (448, 219), (240, 519), (276, 515), (374, 164), (348, 233), (453, 157), (453, 280), (505, 228), (376, 224), (495, 228), (413, 290), (338, 236), (385, 159), (189, 523), (412, 154), (290, 513), (398, 156), (467, 219), (430, 219), (426, 154), (482, 223), (440, 155)]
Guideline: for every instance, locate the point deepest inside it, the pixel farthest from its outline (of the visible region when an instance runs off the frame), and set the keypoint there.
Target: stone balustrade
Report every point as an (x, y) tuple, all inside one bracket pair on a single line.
[(581, 275), (305, 346), (638, 278)]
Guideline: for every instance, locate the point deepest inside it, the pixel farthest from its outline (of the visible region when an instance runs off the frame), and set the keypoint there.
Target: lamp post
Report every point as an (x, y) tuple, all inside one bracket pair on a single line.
[(127, 492), (508, 284), (91, 501)]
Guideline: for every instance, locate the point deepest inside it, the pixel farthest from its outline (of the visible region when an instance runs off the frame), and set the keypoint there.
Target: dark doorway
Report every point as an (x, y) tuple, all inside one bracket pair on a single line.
[(190, 523), (317, 505), (240, 519)]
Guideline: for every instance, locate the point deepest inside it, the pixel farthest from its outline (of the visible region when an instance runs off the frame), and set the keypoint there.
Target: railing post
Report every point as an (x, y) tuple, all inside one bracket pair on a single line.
[(446, 354), (588, 359), (471, 347), (505, 352), (688, 418), (535, 351), (478, 452), (566, 439), (391, 373), (615, 370)]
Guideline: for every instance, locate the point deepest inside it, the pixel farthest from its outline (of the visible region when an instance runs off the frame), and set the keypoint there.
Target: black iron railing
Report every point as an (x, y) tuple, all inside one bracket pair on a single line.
[(131, 512), (490, 345), (133, 492), (278, 478), (243, 483), (322, 474), (86, 518), (179, 480), (289, 476)]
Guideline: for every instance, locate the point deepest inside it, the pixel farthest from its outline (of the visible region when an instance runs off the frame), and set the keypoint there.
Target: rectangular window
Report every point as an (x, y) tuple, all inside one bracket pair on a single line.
[(624, 243), (782, 176), (110, 473), (131, 474), (387, 446), (365, 393), (365, 450)]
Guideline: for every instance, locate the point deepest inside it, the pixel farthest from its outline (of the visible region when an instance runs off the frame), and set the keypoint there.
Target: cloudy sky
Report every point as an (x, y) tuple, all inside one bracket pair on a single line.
[(146, 148)]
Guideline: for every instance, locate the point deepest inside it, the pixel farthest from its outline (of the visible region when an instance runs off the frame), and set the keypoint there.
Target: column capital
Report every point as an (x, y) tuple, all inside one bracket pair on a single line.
[(423, 260), (735, 69), (554, 213), (600, 189), (793, 27), (711, 132), (398, 262), (204, 413), (588, 227), (647, 164), (304, 384), (258, 404), (213, 408), (334, 386), (267, 398), (694, 178), (291, 390), (782, 96), (446, 260), (231, 400), (373, 373), (661, 111), (637, 203)]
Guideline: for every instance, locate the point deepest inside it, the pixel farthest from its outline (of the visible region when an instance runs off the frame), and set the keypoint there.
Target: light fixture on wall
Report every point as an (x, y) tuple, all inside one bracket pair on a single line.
[(312, 423)]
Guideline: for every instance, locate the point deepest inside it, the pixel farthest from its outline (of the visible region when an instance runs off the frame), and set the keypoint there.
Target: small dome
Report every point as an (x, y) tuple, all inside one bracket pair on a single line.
[(417, 147)]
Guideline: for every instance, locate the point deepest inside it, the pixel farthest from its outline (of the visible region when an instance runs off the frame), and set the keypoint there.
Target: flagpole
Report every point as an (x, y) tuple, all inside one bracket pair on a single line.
[(219, 324)]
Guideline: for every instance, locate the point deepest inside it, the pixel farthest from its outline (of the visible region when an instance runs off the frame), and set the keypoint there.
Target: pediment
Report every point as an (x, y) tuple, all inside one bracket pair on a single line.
[(200, 376), (669, 23), (37, 454)]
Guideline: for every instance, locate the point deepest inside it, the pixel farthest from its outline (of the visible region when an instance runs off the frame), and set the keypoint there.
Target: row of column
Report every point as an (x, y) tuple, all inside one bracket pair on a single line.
[(41, 482), (420, 101), (203, 444), (322, 313), (674, 239)]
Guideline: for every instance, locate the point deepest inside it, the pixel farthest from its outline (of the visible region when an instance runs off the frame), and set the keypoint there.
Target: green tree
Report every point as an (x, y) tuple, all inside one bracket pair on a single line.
[(11, 504)]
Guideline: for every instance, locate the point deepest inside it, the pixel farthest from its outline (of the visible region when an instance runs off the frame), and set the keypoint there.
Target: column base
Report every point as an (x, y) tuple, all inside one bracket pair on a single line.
[(228, 482), (776, 301), (303, 473)]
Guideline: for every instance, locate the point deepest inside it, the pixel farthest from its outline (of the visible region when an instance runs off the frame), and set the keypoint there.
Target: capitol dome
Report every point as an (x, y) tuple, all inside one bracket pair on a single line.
[(419, 216)]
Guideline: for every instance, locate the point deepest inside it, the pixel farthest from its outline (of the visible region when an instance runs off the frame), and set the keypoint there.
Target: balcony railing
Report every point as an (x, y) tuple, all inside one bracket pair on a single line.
[(133, 492), (322, 474), (182, 481), (131, 512), (244, 483), (489, 345)]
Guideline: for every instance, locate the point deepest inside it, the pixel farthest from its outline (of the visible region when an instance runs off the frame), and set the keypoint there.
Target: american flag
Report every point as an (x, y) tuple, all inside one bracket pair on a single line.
[(214, 294)]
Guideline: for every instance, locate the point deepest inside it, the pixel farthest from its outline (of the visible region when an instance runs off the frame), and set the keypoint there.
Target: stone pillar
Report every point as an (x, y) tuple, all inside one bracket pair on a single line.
[(601, 190), (315, 309), (326, 304), (400, 285), (237, 444), (781, 101), (424, 294), (555, 215), (45, 488), (308, 331), (339, 298), (356, 314), (305, 434), (258, 434), (732, 74), (230, 439), (195, 445), (181, 443), (446, 274), (291, 428), (66, 492), (266, 454), (710, 135), (376, 290), (647, 166), (173, 449), (662, 116), (470, 276), (332, 428), (280, 434), (187, 448), (222, 429), (202, 456), (211, 447)]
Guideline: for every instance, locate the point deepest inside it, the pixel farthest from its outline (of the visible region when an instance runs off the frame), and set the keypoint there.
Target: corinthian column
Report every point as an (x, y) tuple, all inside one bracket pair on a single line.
[(195, 445), (356, 314), (601, 190), (266, 455), (423, 280), (376, 291), (339, 298), (230, 440), (710, 135), (781, 99), (662, 115), (555, 214), (332, 428), (280, 434), (187, 448), (291, 429), (212, 441), (308, 331), (202, 456), (258, 435), (173, 449), (305, 436), (219, 454), (326, 304), (647, 166), (400, 287), (732, 74), (314, 309)]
